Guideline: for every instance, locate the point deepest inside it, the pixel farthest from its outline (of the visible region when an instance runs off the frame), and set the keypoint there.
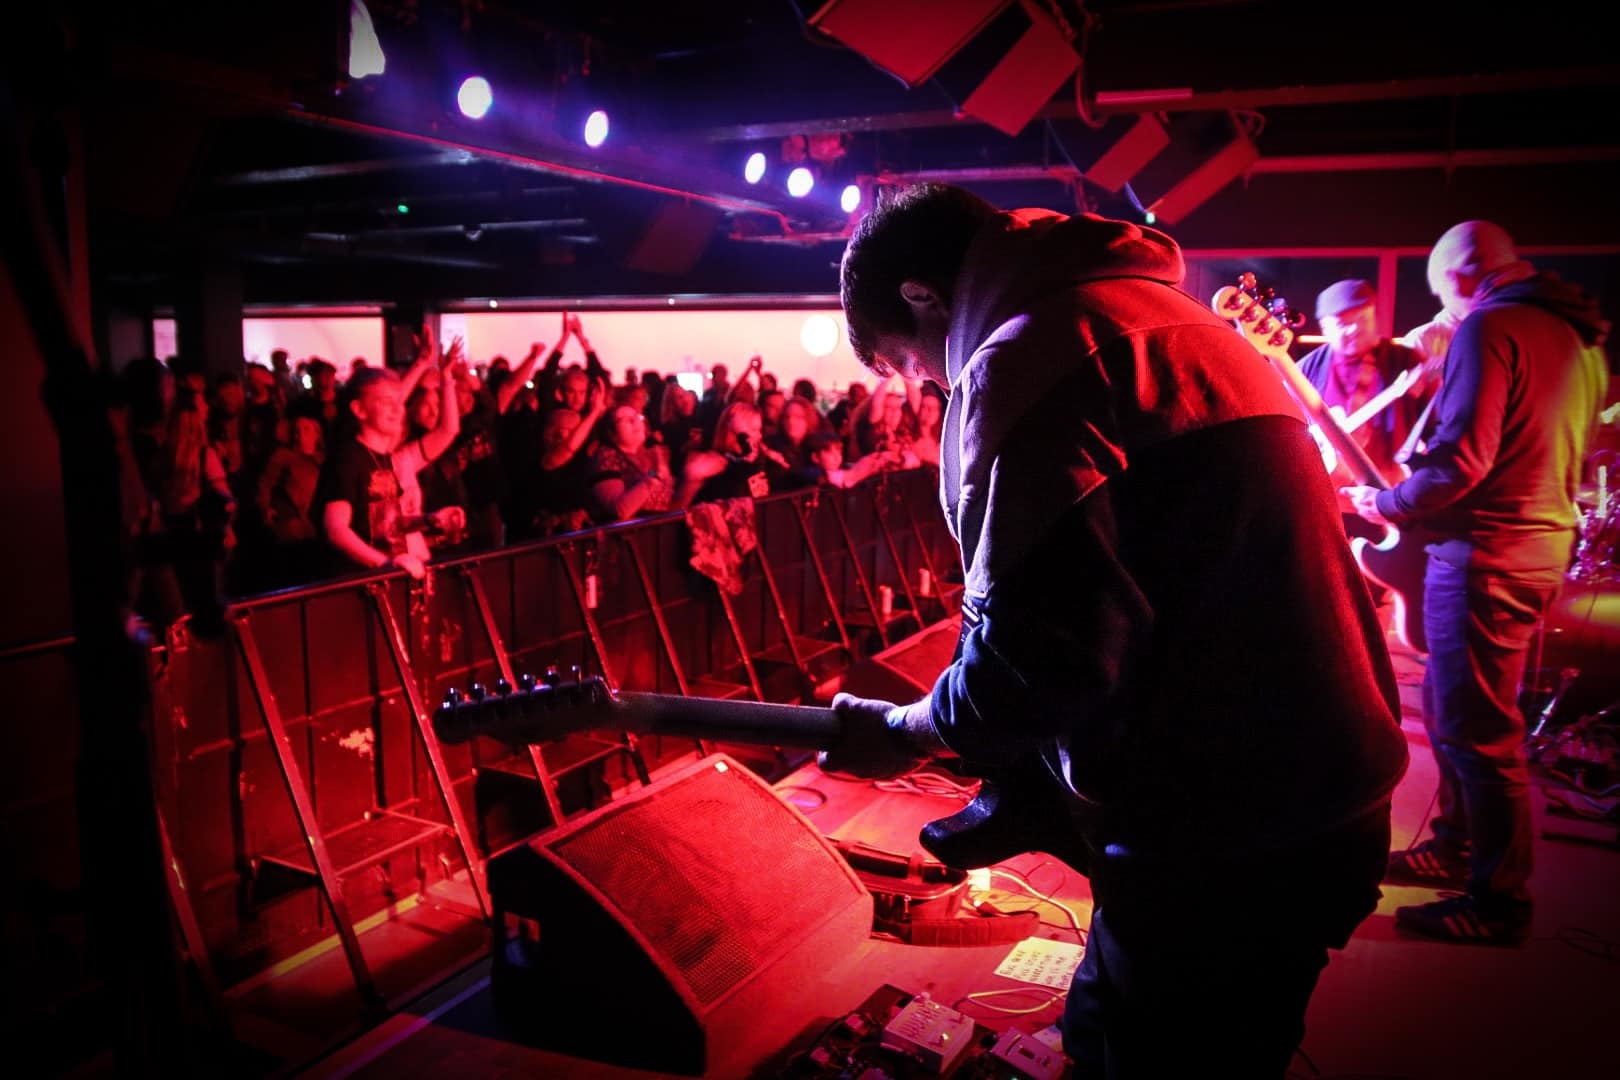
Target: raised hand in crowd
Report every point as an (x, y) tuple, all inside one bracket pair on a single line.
[(510, 388), (427, 358), (598, 399)]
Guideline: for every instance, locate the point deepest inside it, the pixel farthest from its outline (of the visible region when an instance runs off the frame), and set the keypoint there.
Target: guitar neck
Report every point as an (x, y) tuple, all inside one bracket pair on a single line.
[(1381, 401), (756, 722), (1352, 453), (542, 715)]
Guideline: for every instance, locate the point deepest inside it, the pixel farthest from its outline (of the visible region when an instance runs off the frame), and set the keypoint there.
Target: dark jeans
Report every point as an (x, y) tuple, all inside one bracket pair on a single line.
[(1207, 968), (1480, 627)]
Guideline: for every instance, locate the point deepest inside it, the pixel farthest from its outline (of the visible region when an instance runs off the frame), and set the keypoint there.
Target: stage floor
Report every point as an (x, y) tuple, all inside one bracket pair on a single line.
[(1387, 1006)]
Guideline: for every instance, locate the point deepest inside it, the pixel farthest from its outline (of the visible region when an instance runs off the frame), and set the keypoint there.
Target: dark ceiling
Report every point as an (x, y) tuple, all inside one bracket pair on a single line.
[(232, 142)]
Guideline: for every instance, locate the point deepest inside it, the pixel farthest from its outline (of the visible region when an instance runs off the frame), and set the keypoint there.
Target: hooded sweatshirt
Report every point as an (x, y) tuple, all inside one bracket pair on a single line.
[(1524, 380), (1155, 554)]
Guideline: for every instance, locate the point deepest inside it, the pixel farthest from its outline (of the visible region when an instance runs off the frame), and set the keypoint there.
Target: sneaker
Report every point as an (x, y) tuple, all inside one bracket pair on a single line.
[(1428, 865), (1465, 920)]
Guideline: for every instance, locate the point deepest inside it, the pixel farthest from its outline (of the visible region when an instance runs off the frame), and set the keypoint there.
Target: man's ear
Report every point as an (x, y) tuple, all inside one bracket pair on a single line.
[(923, 300)]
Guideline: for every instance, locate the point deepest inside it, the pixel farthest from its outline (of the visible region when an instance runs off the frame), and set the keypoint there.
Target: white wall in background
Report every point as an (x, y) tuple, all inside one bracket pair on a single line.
[(663, 341), (673, 341), (337, 339)]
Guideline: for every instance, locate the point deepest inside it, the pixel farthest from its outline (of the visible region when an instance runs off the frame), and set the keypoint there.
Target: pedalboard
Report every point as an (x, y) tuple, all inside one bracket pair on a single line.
[(899, 1036)]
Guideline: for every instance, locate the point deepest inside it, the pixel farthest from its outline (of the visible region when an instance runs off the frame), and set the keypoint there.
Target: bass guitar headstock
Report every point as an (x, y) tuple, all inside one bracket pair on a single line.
[(535, 710), (1263, 317)]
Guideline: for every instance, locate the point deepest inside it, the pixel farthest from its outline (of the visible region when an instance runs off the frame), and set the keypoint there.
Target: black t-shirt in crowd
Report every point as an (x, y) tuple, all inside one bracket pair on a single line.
[(476, 450), (383, 511)]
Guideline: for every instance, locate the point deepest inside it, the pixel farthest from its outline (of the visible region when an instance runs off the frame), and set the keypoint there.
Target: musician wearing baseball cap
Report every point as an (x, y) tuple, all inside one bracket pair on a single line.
[(1353, 368)]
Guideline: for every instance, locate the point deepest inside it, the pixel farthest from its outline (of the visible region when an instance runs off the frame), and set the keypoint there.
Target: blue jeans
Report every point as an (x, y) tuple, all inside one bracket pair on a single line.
[(1480, 627), (1207, 968)]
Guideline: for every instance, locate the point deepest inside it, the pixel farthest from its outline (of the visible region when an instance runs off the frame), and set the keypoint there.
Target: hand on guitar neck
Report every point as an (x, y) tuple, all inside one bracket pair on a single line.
[(1022, 807)]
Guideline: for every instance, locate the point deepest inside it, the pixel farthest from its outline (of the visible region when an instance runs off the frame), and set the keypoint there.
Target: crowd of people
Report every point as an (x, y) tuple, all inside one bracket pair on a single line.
[(276, 476)]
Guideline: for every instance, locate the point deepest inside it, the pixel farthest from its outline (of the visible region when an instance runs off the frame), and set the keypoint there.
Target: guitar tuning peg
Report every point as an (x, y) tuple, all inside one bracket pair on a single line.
[(502, 687), (573, 674), (452, 698), (552, 676), (526, 682), (476, 692)]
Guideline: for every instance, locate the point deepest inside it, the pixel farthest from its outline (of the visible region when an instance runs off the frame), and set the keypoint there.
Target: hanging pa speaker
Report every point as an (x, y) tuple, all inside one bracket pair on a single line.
[(696, 911)]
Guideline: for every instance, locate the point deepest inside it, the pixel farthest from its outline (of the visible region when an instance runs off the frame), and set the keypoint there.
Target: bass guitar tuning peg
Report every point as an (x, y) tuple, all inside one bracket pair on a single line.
[(476, 692), (502, 687), (526, 682)]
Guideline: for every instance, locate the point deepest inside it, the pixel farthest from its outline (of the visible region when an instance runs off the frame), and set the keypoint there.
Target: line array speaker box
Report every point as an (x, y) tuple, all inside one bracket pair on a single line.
[(910, 39), (675, 238), (683, 918)]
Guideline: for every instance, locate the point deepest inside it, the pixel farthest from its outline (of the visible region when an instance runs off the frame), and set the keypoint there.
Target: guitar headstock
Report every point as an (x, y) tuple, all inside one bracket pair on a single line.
[(1259, 313), (535, 710)]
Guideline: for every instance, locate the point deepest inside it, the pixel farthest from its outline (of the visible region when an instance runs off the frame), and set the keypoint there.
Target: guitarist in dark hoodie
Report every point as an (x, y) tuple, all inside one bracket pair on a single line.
[(1524, 379), (1162, 612)]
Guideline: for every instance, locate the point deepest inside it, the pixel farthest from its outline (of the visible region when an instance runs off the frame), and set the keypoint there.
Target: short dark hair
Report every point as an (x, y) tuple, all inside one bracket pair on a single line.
[(819, 441), (918, 233)]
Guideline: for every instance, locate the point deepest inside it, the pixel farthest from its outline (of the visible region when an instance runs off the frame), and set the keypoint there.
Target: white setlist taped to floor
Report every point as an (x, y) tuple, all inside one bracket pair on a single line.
[(1042, 961)]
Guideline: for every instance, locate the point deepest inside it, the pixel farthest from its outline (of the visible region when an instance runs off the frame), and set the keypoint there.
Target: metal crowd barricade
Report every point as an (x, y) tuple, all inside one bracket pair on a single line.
[(303, 789)]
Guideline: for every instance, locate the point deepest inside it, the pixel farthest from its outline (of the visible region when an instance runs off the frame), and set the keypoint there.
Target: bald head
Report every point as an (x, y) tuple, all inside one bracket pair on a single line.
[(1465, 253), (1473, 247)]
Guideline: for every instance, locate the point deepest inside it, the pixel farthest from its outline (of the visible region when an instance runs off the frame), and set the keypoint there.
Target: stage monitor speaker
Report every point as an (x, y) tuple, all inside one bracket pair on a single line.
[(910, 39), (906, 670), (688, 916)]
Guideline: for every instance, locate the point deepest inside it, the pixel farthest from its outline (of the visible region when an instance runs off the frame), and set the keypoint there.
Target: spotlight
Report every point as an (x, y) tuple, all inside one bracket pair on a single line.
[(799, 182), (850, 200), (365, 51), (475, 97), (596, 128), (754, 171)]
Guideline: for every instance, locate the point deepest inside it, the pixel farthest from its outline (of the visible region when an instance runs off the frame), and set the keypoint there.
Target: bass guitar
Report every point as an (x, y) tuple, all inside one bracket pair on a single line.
[(1397, 560), (1018, 809), (1348, 423)]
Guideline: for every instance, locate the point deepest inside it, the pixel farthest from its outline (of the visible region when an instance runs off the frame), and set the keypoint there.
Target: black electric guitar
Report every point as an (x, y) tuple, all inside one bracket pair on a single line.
[(1397, 560), (1018, 809)]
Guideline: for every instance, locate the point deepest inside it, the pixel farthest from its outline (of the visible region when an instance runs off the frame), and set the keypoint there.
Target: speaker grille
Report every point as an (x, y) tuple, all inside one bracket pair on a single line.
[(716, 913)]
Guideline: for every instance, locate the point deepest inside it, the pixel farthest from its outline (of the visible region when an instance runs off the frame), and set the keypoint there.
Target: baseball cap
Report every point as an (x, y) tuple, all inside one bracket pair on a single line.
[(1343, 295)]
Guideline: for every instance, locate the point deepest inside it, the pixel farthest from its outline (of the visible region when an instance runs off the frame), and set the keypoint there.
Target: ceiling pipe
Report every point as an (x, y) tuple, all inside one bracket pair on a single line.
[(1186, 99), (549, 165), (1312, 163)]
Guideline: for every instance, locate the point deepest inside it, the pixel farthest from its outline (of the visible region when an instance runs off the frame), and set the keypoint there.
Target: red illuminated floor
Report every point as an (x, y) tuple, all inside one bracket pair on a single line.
[(1386, 1007)]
